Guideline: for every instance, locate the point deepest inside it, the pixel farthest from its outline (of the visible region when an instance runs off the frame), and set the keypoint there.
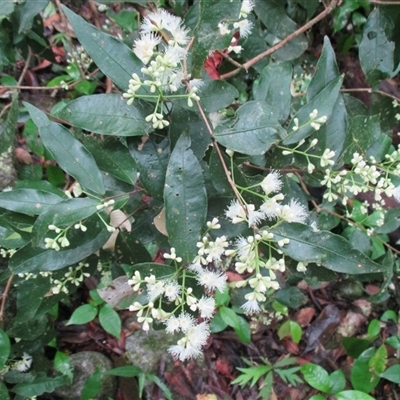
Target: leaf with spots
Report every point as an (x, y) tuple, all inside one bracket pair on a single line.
[(185, 200), (325, 248)]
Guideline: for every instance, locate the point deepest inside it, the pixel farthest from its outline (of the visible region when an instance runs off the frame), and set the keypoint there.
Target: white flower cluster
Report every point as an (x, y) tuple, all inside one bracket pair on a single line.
[(164, 291), (364, 176), (79, 56), (161, 48), (242, 25), (22, 365)]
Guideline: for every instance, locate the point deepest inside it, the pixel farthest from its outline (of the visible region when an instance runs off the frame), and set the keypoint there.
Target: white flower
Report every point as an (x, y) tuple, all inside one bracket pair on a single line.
[(172, 325), (135, 281), (244, 26), (172, 290), (223, 28), (212, 280), (301, 266), (186, 321), (247, 7), (206, 306), (217, 249), (24, 364), (172, 256), (214, 224), (236, 212), (396, 194), (292, 212), (146, 322), (272, 183), (155, 289), (252, 306), (270, 206), (326, 158), (144, 47)]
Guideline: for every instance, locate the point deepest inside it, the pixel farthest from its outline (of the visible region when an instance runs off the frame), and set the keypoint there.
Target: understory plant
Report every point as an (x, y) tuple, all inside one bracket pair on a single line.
[(220, 169)]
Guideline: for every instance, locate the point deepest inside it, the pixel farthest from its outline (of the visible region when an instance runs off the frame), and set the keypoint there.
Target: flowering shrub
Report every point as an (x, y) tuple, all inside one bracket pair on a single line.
[(238, 181)]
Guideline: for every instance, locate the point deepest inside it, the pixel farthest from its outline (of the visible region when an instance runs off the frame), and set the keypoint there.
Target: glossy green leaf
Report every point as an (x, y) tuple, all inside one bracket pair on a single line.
[(291, 297), (324, 102), (374, 329), (206, 38), (362, 378), (62, 215), (128, 371), (292, 329), (41, 384), (214, 96), (274, 88), (30, 258), (217, 324), (273, 15), (337, 381), (4, 392), (185, 200), (353, 395), (376, 47), (152, 161), (229, 317), (108, 114), (243, 330), (112, 157), (28, 201), (316, 376), (318, 397), (354, 346), (4, 348), (110, 320), (8, 130), (62, 364), (325, 248), (394, 341), (377, 363), (389, 315), (92, 385), (112, 56), (69, 153), (326, 71), (82, 315), (363, 132), (392, 374), (253, 130), (129, 250)]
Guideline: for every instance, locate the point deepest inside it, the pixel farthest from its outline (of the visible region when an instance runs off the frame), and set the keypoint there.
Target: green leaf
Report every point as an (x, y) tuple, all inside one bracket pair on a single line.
[(7, 131), (354, 346), (112, 157), (129, 250), (374, 329), (325, 72), (392, 374), (110, 320), (377, 363), (361, 377), (29, 9), (253, 130), (376, 47), (82, 244), (62, 364), (92, 385), (394, 341), (154, 378), (206, 33), (362, 133), (28, 201), (273, 87), (337, 381), (292, 329), (318, 397), (152, 162), (41, 384), (83, 315), (128, 371), (316, 376), (273, 15), (229, 317), (353, 395), (214, 96), (185, 200), (324, 102), (69, 153), (217, 323), (62, 215), (3, 389), (291, 297), (243, 330), (108, 114), (7, 7), (4, 348), (112, 56), (325, 248)]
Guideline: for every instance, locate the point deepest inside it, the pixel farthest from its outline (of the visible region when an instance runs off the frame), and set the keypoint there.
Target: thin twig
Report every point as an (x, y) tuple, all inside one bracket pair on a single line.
[(369, 90), (385, 3), (231, 60), (26, 66), (283, 42), (4, 297), (5, 108)]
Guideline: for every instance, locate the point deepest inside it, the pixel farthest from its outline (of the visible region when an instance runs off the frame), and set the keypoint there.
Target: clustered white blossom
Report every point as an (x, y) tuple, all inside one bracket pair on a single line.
[(161, 47), (23, 364), (208, 270)]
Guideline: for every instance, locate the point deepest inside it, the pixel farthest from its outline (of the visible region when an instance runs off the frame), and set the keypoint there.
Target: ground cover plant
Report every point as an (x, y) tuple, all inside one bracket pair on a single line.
[(205, 168)]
